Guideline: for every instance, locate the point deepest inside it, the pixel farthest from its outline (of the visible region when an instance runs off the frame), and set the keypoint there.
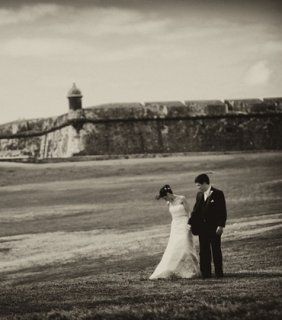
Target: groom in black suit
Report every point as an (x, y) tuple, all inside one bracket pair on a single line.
[(207, 221)]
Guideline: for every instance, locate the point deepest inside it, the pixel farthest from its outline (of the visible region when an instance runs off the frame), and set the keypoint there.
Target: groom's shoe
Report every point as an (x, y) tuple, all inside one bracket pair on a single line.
[(219, 275), (206, 276)]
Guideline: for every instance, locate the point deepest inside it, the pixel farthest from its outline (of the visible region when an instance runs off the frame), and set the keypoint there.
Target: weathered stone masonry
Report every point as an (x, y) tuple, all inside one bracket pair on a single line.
[(154, 127)]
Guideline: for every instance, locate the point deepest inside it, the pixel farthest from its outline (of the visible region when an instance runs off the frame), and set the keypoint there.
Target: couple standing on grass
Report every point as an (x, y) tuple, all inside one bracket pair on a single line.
[(207, 220)]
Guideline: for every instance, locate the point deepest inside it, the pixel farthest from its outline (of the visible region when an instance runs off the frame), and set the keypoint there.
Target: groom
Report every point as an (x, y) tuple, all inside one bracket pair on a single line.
[(207, 221)]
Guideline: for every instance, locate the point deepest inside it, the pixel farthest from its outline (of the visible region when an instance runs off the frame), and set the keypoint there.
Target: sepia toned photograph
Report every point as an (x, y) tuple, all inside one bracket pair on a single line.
[(140, 160)]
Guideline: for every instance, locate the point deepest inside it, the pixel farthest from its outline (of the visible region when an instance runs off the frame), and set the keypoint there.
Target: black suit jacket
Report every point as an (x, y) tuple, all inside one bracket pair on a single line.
[(208, 215)]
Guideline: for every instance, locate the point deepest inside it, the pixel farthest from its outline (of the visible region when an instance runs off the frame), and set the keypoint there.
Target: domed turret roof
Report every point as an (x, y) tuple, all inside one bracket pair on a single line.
[(74, 92)]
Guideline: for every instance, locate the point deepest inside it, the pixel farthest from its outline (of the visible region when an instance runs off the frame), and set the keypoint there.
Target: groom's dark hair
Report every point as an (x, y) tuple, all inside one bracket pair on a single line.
[(202, 178)]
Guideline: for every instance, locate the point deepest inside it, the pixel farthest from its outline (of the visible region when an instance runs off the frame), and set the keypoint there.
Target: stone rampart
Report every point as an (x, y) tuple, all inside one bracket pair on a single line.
[(152, 127)]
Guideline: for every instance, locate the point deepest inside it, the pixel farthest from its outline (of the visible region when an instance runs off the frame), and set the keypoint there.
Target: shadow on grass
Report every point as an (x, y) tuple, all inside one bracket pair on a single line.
[(253, 274)]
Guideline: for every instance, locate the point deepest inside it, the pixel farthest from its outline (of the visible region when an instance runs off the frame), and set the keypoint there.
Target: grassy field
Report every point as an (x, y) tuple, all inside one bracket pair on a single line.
[(79, 240)]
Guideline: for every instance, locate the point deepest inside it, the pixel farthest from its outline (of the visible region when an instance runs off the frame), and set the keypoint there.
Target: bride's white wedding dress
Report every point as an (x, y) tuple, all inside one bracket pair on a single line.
[(180, 258)]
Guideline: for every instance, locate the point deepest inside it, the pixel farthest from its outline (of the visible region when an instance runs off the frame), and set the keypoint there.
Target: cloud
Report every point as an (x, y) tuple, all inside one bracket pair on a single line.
[(258, 74), (273, 47), (38, 47), (140, 51), (101, 34), (97, 22), (27, 14), (73, 51)]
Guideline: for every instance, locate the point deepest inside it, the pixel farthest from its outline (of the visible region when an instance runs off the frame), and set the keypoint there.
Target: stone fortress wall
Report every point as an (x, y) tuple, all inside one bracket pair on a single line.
[(153, 127)]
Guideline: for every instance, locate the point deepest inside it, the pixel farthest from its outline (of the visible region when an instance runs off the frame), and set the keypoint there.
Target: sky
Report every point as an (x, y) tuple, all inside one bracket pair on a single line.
[(136, 51)]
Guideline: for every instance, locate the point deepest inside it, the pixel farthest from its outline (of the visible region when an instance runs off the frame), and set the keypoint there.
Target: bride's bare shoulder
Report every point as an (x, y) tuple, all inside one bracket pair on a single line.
[(180, 197)]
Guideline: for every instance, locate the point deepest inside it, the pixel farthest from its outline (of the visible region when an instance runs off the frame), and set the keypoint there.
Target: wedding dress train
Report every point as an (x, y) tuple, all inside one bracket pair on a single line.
[(180, 258)]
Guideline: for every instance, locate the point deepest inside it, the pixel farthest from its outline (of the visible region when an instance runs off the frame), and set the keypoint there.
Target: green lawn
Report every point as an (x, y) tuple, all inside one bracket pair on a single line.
[(79, 240)]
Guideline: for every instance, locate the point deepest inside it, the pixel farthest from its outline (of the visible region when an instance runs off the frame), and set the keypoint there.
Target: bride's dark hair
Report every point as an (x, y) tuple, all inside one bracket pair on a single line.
[(164, 191)]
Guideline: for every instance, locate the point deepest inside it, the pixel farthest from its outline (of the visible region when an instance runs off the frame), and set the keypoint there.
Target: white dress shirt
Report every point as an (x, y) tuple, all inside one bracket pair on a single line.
[(207, 193)]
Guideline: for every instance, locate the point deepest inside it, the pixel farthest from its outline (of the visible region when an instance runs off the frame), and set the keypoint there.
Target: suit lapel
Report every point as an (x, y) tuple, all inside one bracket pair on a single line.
[(200, 200)]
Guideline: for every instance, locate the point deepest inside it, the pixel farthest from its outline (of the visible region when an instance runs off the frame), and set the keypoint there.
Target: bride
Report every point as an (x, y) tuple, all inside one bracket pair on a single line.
[(180, 258)]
